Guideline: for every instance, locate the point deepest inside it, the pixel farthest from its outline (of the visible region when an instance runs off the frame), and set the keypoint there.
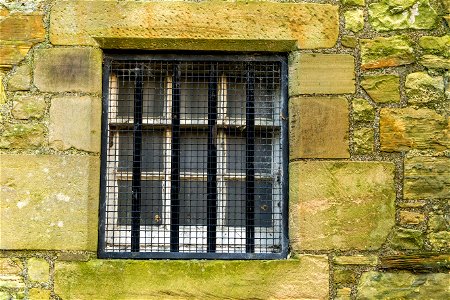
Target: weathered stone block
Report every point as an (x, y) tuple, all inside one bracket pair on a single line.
[(382, 52), (318, 127), (354, 20), (2, 90), (18, 33), (340, 205), (249, 26), (57, 198), (321, 74), (363, 140), (302, 278), (349, 41), (21, 79), (434, 62), (427, 178), (28, 106), (388, 15), (353, 2), (343, 294), (402, 129), (410, 217), (11, 53), (11, 273), (407, 239), (344, 277), (440, 240), (38, 294), (438, 223), (422, 89), (68, 70), (363, 111), (75, 122), (437, 45), (38, 269), (403, 285), (370, 260), (382, 88), (23, 136)]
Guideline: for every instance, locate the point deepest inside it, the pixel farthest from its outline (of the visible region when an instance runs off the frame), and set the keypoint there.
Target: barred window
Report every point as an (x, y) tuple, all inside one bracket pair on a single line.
[(194, 157)]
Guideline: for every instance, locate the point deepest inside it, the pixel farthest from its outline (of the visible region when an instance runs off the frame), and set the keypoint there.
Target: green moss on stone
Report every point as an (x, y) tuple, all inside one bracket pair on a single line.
[(353, 2), (363, 111), (363, 141), (402, 14), (403, 285), (407, 239), (306, 277), (384, 52), (437, 45), (424, 90), (440, 240), (344, 277), (349, 41), (382, 88), (354, 20), (26, 107), (19, 136)]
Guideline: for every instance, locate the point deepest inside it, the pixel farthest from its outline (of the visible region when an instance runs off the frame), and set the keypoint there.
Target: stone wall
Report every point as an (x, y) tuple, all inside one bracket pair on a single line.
[(369, 147)]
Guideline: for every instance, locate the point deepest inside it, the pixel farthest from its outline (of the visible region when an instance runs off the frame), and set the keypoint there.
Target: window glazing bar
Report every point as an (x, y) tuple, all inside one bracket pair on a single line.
[(136, 173), (250, 161), (212, 161), (175, 164)]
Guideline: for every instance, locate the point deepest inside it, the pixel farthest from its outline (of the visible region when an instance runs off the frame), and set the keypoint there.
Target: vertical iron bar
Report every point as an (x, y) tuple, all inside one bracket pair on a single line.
[(136, 177), (250, 161), (175, 165), (212, 161)]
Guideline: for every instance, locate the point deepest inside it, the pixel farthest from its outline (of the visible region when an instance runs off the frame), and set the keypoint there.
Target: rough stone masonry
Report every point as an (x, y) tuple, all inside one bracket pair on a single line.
[(369, 189)]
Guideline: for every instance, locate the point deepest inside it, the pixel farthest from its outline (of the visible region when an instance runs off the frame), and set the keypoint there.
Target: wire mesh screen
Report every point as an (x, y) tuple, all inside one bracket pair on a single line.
[(193, 158)]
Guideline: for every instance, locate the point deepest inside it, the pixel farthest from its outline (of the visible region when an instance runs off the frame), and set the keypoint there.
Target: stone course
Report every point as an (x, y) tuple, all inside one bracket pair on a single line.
[(340, 205), (318, 127)]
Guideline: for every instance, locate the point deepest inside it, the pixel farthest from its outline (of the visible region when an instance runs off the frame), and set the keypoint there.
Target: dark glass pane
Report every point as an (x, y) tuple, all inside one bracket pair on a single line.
[(235, 210), (151, 203), (125, 100), (193, 203), (153, 97), (194, 152), (236, 153), (152, 151), (194, 91)]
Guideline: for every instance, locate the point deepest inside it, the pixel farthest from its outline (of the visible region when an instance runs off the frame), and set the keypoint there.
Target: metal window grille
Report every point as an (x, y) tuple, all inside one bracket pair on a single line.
[(194, 157)]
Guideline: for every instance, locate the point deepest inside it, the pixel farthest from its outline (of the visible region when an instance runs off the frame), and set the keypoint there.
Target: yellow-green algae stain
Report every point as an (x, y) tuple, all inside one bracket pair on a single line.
[(306, 277)]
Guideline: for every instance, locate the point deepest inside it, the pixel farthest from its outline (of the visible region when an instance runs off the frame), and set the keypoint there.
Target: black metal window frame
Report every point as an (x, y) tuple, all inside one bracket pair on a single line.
[(211, 160)]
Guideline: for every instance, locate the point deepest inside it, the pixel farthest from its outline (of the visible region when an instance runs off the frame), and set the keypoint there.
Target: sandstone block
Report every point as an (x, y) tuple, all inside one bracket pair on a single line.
[(363, 111), (321, 74), (402, 129), (21, 79), (437, 45), (340, 205), (353, 2), (11, 273), (2, 90), (434, 62), (75, 122), (11, 53), (38, 294), (403, 285), (344, 277), (59, 216), (363, 141), (242, 26), (318, 127), (382, 52), (407, 239), (23, 136), (354, 20), (343, 294), (68, 70), (440, 240), (404, 14), (370, 260), (382, 88), (303, 278), (18, 33), (38, 269), (349, 41), (28, 107), (422, 89), (427, 178), (438, 223), (410, 217)]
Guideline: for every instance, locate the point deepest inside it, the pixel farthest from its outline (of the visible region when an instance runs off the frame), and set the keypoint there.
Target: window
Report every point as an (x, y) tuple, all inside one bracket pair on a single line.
[(194, 157)]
